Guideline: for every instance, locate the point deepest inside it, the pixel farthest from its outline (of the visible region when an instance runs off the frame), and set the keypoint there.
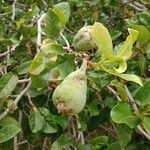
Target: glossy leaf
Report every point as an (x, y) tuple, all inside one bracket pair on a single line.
[(102, 39), (125, 50), (7, 84)]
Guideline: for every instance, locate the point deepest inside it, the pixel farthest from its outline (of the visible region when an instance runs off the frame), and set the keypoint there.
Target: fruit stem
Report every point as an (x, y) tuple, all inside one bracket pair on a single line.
[(84, 65)]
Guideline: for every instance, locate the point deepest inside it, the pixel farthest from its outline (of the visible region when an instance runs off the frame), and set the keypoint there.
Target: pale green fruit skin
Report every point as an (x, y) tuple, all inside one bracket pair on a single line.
[(72, 92), (83, 39)]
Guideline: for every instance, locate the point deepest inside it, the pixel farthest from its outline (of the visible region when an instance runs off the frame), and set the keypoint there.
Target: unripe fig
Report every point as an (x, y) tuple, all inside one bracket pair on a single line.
[(70, 96), (83, 40)]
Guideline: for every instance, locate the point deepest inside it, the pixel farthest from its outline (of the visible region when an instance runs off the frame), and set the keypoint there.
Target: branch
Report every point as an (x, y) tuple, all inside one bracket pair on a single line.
[(133, 103), (14, 10), (39, 35), (12, 49), (4, 114), (65, 39), (23, 80), (114, 93)]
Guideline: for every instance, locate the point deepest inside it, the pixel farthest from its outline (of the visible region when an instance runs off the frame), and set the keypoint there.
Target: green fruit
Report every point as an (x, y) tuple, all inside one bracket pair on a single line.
[(83, 40), (70, 96)]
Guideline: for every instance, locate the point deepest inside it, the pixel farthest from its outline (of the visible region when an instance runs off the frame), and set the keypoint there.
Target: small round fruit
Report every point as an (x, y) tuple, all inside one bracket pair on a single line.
[(83, 40)]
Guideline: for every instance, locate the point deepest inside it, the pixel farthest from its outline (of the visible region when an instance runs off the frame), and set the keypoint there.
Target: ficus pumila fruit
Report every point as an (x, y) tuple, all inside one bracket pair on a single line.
[(83, 39), (70, 96)]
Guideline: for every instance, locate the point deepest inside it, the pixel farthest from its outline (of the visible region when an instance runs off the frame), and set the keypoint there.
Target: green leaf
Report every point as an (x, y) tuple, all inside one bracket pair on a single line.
[(131, 77), (102, 39), (38, 81), (145, 18), (49, 125), (52, 24), (24, 68), (48, 128), (28, 16), (61, 142), (36, 121), (117, 61), (9, 128), (144, 33), (37, 65), (115, 146), (62, 121), (120, 89), (7, 84), (99, 142), (124, 134), (128, 77), (63, 12), (142, 95), (146, 124), (125, 50), (121, 113)]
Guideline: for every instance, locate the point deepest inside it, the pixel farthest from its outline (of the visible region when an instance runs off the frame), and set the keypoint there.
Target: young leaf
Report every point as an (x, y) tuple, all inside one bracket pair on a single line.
[(102, 39), (37, 65), (120, 89), (36, 121), (115, 60), (52, 24), (128, 77), (144, 33), (7, 84), (121, 113), (125, 50), (9, 128)]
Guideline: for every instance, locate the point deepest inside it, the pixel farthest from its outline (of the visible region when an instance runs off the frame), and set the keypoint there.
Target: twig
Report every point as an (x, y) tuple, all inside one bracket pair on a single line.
[(84, 65), (39, 35), (65, 39), (16, 101), (14, 10), (80, 133), (8, 57), (30, 102), (114, 93), (9, 51), (23, 80), (133, 103), (23, 142), (12, 49), (15, 146)]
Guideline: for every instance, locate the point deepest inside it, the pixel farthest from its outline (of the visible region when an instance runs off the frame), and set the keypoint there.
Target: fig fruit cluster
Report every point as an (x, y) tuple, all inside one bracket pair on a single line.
[(70, 96)]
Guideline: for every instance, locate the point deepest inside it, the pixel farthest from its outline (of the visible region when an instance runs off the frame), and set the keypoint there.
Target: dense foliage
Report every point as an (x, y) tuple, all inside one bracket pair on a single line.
[(57, 57)]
